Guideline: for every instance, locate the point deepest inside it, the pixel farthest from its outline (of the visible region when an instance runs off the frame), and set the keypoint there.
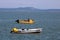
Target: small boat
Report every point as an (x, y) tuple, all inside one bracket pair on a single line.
[(29, 21), (22, 31)]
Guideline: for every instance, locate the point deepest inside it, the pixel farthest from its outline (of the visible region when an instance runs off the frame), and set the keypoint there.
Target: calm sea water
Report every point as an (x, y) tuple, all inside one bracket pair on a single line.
[(49, 21)]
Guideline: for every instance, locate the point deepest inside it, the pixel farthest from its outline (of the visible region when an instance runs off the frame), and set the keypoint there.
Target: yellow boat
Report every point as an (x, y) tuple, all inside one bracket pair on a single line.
[(29, 21)]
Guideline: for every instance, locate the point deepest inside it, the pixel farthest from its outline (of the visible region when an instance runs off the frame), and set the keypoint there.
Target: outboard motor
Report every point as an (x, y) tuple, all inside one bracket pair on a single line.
[(17, 21), (11, 31)]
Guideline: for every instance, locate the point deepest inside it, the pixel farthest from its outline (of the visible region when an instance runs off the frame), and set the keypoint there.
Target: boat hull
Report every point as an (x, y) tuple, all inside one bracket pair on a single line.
[(26, 33), (25, 21), (29, 31)]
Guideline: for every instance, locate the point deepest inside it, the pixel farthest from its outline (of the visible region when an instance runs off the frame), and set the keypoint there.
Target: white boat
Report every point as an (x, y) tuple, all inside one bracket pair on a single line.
[(36, 30)]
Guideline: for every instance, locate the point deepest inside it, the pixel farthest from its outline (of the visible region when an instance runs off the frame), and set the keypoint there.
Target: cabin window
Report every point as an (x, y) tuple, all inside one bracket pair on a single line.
[(22, 29)]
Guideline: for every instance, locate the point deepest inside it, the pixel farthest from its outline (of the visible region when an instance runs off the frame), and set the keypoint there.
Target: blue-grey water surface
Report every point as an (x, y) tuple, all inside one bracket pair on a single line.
[(49, 21)]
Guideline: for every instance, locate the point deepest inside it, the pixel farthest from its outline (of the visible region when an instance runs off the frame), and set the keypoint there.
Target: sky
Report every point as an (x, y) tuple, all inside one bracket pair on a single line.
[(40, 4)]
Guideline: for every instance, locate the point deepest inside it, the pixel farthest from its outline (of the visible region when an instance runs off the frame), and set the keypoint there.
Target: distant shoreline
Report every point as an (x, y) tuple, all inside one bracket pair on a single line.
[(27, 9)]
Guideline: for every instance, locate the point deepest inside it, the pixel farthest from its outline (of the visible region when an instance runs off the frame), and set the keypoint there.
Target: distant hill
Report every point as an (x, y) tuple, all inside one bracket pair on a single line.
[(29, 9), (20, 9)]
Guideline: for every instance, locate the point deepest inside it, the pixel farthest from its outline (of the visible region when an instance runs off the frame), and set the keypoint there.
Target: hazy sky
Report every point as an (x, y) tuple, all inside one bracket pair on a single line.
[(41, 4)]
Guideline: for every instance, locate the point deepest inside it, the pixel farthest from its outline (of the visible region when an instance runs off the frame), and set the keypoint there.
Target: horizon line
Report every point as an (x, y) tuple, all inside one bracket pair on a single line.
[(29, 7)]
